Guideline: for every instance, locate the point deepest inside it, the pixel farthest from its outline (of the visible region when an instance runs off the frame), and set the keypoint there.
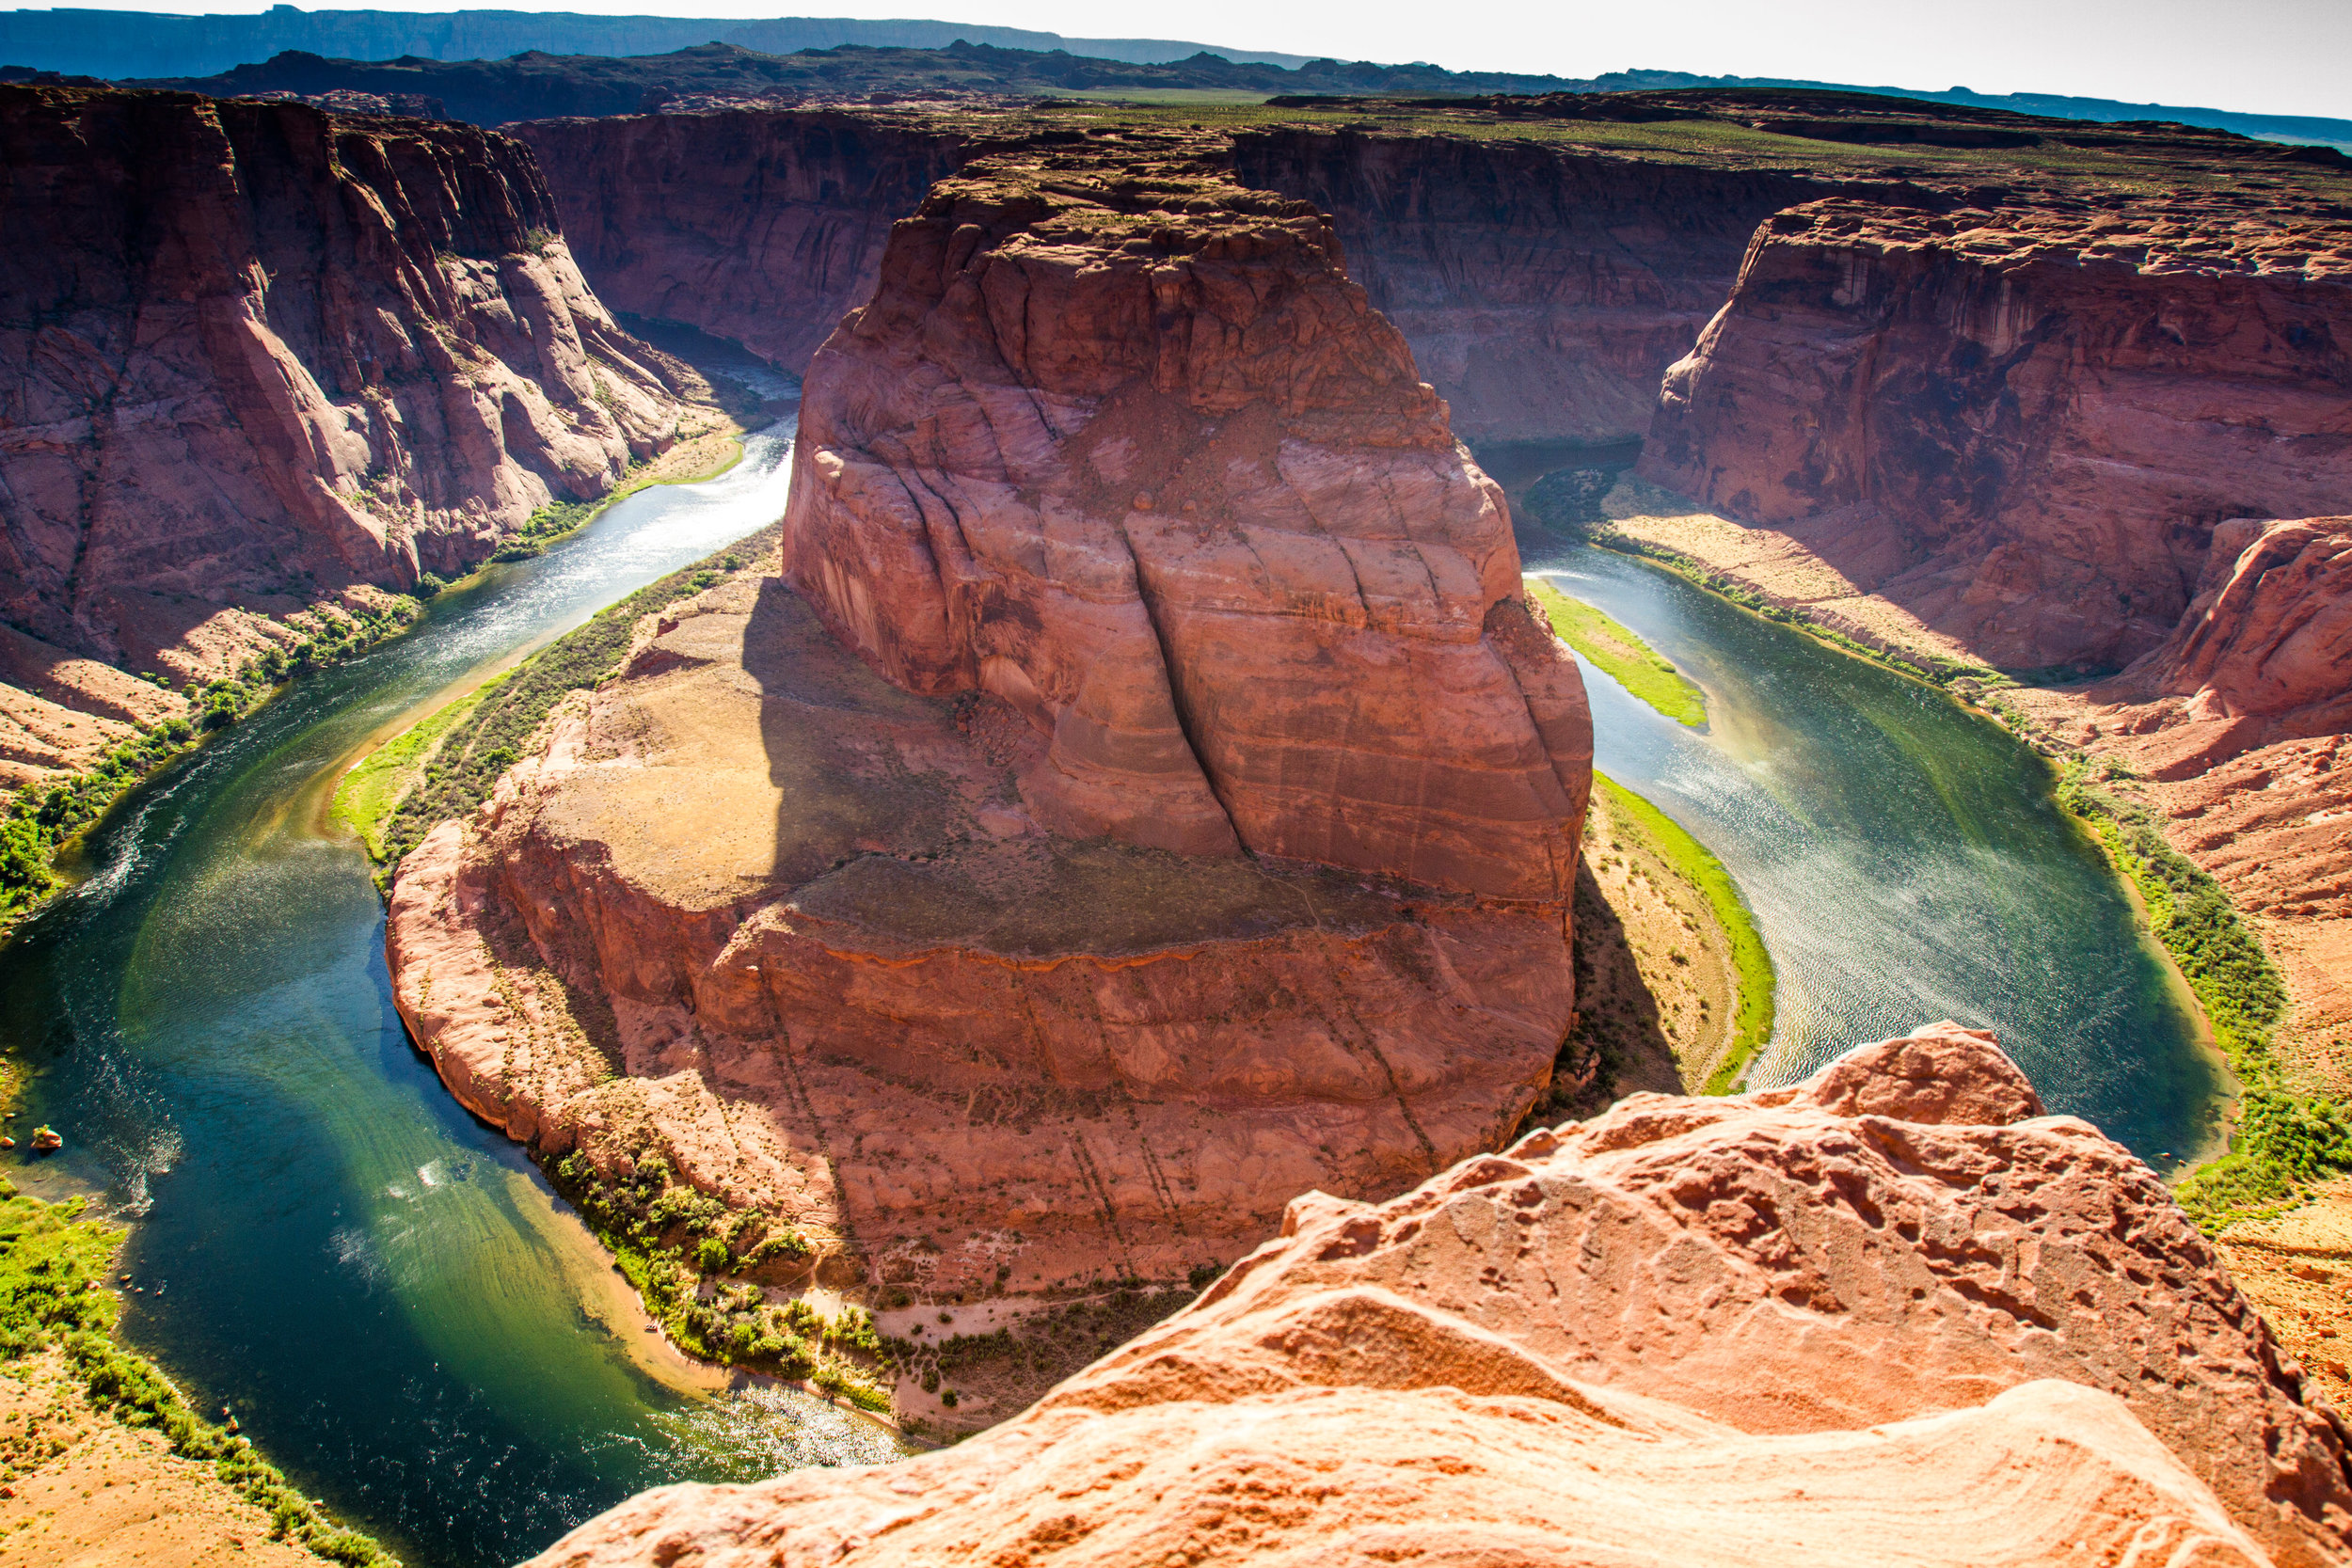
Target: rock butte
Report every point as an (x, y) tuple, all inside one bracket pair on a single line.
[(1146, 793), (1894, 1314), (261, 356)]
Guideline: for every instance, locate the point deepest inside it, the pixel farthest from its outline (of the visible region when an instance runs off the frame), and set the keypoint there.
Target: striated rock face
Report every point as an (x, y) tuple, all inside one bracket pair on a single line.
[(2023, 425), (1544, 288), (763, 226), (258, 353), (1146, 793), (1130, 453), (2269, 635), (1891, 1315)]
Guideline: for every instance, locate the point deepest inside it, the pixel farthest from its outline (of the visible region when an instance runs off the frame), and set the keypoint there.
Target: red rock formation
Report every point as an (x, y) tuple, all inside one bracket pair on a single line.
[(258, 353), (2269, 635), (1155, 551), (1134, 456), (763, 226), (2022, 424), (1848, 1321)]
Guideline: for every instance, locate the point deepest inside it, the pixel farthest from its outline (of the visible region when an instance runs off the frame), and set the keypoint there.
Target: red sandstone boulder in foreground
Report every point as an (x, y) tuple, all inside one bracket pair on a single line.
[(1893, 1315)]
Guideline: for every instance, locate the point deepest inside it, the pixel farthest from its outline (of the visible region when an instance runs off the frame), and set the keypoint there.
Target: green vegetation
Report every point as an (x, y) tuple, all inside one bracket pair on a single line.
[(40, 822), (2285, 1140), (1909, 661), (1752, 1025), (464, 752), (368, 794), (1622, 655), (53, 1262), (559, 521), (669, 1239)]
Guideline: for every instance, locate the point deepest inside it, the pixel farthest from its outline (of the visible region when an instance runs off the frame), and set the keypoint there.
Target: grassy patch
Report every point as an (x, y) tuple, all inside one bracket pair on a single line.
[(53, 1259), (366, 796), (1622, 655), (1752, 1025), (2285, 1140), (457, 763)]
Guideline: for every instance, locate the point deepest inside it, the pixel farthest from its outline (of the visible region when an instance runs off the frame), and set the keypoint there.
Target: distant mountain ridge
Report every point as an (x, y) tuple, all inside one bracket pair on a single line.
[(118, 44), (248, 53)]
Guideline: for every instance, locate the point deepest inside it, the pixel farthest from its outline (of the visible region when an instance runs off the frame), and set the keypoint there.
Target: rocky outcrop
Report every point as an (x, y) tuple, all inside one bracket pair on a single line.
[(2269, 634), (1146, 793), (1133, 456), (259, 353), (1891, 1315), (760, 225), (2024, 424)]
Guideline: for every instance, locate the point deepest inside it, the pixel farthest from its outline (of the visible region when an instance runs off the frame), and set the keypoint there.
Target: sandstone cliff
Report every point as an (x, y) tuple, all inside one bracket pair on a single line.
[(1544, 287), (763, 226), (259, 353), (1894, 1314), (1145, 794), (2023, 423)]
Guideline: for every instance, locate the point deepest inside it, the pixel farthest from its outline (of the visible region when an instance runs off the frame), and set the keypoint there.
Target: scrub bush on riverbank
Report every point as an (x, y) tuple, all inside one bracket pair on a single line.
[(40, 823), (53, 1261), (2285, 1139)]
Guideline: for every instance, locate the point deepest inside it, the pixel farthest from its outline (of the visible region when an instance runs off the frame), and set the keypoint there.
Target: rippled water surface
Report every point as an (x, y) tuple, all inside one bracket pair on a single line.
[(1904, 861), (400, 1312)]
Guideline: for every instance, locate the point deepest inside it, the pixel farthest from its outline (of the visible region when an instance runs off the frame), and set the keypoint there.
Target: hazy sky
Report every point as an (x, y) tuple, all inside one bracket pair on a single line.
[(2280, 56)]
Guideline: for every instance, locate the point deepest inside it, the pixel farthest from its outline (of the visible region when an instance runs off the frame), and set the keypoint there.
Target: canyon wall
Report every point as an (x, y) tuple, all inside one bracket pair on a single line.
[(1892, 1315), (759, 225), (1545, 289), (1145, 792), (2022, 424), (258, 354)]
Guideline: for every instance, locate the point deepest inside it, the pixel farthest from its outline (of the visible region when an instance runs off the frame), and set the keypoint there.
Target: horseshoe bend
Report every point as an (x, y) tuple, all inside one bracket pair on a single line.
[(1165, 830), (1142, 790)]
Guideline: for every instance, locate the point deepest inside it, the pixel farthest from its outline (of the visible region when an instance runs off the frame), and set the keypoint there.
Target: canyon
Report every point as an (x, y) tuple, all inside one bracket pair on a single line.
[(1143, 789), (264, 359), (1130, 788)]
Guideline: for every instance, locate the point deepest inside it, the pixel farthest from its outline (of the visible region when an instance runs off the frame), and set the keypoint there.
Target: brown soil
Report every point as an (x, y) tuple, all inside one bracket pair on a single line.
[(77, 1487), (2298, 1270)]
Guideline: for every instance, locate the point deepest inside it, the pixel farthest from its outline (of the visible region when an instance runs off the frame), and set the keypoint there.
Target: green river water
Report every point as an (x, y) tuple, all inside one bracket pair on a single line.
[(406, 1319)]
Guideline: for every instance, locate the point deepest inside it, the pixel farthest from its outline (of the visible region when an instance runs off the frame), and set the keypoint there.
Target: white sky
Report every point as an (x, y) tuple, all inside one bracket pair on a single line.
[(2277, 57)]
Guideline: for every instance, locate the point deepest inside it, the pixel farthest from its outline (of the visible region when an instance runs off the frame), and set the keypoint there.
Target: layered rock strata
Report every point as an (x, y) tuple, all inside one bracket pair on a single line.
[(1145, 794), (763, 226), (259, 353), (2023, 425), (1894, 1314), (1544, 287)]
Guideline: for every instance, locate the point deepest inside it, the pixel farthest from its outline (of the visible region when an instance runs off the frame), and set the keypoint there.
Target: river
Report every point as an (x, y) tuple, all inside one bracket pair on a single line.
[(1904, 861), (403, 1316), (396, 1306)]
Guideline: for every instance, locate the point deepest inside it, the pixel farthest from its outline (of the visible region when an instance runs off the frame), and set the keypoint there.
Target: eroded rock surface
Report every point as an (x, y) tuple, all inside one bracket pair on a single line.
[(1829, 1323), (2023, 425), (1120, 445), (1147, 792), (259, 353)]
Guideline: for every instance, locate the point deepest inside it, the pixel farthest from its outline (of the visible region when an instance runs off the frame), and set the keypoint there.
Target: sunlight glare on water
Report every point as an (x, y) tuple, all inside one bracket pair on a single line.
[(399, 1310)]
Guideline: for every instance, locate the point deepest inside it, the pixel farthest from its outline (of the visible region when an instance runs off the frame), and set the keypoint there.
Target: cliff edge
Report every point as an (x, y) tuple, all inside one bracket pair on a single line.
[(1892, 1315)]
